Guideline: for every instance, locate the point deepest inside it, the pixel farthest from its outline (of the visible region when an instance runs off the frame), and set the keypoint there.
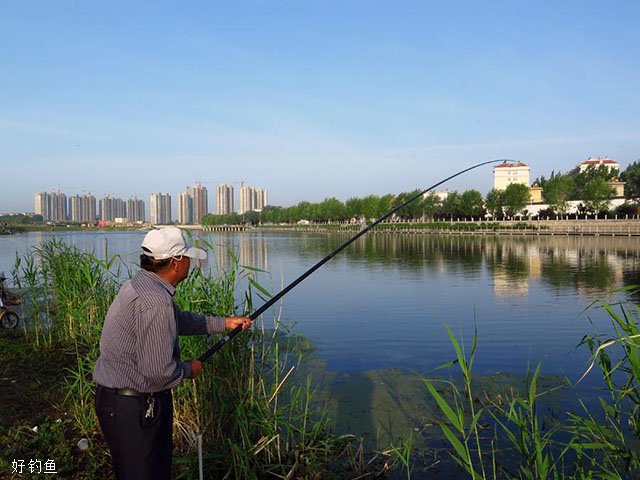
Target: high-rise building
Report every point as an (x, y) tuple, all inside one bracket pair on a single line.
[(112, 208), (262, 199), (52, 206), (252, 199), (224, 199), (60, 210), (82, 208), (185, 209), (193, 205), (160, 208), (135, 210), (198, 194)]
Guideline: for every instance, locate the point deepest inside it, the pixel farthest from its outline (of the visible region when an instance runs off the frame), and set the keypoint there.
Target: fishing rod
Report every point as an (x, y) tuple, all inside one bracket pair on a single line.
[(293, 284)]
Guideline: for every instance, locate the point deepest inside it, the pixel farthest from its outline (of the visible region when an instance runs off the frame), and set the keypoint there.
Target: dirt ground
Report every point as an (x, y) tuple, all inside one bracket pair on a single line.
[(34, 423)]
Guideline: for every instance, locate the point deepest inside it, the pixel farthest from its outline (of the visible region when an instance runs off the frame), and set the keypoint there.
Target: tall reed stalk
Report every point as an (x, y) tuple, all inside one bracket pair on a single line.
[(463, 416)]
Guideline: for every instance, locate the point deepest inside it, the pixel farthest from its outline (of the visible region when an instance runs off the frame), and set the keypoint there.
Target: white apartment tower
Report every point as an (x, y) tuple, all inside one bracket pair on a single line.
[(252, 199), (160, 208), (224, 199), (185, 209), (507, 173)]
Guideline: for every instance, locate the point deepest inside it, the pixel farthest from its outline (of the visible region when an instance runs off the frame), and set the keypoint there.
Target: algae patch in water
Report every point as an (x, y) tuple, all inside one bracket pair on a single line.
[(384, 407)]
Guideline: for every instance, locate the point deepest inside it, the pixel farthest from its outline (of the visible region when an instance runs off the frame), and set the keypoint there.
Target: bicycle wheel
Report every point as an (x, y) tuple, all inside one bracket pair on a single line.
[(10, 320)]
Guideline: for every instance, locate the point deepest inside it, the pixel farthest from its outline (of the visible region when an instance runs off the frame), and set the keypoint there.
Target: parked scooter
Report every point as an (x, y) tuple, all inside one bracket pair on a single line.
[(8, 318)]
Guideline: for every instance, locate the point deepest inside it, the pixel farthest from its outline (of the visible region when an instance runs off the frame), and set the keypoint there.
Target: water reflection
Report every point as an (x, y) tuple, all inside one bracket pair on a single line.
[(588, 264), (251, 251)]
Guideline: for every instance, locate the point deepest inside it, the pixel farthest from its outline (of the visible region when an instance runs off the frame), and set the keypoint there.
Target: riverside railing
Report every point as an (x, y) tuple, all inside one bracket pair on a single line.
[(536, 228)]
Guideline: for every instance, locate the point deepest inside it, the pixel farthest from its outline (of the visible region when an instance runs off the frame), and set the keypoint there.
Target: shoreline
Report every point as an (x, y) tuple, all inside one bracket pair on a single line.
[(572, 227), (593, 227)]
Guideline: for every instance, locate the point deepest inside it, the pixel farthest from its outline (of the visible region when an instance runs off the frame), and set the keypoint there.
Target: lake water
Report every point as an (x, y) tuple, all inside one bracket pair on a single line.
[(384, 301), (382, 305)]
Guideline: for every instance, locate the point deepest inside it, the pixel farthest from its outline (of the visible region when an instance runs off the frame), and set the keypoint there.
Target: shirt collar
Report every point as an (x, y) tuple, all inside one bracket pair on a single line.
[(156, 278)]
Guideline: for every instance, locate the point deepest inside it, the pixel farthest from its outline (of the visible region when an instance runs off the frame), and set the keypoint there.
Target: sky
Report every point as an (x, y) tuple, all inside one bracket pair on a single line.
[(309, 99)]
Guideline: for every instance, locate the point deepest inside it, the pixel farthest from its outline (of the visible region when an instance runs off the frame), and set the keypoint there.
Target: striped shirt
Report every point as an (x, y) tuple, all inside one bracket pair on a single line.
[(139, 343)]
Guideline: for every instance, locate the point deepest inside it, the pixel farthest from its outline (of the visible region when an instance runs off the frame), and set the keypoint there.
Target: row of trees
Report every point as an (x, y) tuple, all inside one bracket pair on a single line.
[(591, 186), (469, 204)]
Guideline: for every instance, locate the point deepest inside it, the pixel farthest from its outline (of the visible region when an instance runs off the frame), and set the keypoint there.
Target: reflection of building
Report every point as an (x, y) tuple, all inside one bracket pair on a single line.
[(505, 286), (222, 257), (511, 273), (160, 208), (507, 173), (224, 199), (535, 260), (253, 252)]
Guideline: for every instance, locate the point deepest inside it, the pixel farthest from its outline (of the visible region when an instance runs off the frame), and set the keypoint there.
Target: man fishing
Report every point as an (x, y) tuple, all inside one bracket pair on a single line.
[(139, 360)]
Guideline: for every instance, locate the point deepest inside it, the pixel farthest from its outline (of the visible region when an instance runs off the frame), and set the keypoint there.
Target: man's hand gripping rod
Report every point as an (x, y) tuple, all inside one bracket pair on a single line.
[(293, 284)]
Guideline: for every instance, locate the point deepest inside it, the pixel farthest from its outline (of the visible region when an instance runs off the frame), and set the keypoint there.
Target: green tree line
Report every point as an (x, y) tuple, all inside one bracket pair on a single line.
[(591, 187), (469, 205)]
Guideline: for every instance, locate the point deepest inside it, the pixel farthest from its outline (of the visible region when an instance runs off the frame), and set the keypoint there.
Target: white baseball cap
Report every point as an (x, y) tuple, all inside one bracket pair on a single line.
[(169, 242)]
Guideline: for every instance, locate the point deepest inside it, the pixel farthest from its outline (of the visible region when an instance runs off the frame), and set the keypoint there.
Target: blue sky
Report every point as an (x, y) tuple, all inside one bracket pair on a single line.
[(309, 99)]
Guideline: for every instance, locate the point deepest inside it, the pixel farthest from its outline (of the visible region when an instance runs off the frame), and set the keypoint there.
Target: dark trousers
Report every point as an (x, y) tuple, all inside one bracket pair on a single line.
[(141, 447)]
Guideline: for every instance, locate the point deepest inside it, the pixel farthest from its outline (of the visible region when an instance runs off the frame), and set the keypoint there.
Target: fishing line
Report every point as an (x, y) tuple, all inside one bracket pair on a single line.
[(293, 284)]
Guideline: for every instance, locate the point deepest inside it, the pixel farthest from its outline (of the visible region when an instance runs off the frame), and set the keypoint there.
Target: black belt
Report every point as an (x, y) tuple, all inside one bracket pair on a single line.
[(130, 392)]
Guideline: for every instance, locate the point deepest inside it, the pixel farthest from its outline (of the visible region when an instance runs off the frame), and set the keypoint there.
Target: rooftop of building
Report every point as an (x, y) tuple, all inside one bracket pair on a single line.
[(511, 165), (599, 161)]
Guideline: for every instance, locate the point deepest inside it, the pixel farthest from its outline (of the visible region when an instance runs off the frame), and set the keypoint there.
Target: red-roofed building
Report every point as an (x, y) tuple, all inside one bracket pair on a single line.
[(507, 173), (596, 162)]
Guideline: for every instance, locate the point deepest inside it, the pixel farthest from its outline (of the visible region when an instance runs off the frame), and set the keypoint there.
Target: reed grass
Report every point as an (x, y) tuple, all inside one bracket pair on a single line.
[(610, 439), (525, 443), (461, 428), (255, 421), (403, 453)]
